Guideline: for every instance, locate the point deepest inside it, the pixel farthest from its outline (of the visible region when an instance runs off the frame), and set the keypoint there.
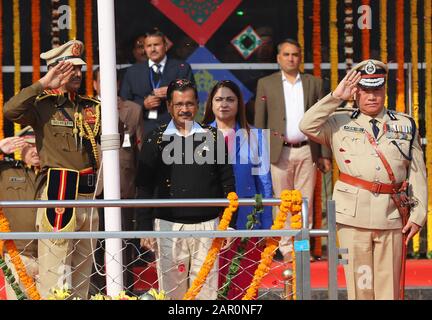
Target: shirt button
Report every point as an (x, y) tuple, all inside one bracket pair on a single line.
[(378, 168)]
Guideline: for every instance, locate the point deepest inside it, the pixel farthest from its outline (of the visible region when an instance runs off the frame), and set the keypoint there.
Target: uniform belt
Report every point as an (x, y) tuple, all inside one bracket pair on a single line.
[(295, 145), (87, 181), (375, 187)]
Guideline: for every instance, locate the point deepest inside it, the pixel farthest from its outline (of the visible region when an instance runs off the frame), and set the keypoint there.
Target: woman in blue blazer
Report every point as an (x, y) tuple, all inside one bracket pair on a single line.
[(249, 153)]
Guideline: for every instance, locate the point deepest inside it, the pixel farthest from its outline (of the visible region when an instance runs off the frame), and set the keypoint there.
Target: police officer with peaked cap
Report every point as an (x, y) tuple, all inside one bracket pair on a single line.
[(382, 173), (67, 129), (18, 182)]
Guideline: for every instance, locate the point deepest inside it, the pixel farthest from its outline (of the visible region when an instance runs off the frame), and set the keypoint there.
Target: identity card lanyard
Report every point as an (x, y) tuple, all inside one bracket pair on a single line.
[(153, 114)]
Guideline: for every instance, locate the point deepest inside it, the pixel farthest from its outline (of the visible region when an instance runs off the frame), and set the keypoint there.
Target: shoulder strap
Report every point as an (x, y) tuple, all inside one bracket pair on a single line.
[(382, 157)]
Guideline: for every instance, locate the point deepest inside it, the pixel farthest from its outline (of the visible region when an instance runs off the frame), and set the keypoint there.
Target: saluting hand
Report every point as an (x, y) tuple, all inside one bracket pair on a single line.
[(11, 144), (348, 86), (58, 75)]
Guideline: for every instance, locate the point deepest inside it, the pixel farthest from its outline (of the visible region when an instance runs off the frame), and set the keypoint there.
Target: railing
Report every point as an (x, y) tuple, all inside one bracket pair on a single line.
[(301, 243)]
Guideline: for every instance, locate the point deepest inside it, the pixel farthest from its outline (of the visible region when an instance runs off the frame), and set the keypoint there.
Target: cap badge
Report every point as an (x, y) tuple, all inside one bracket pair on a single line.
[(370, 68), (76, 49)]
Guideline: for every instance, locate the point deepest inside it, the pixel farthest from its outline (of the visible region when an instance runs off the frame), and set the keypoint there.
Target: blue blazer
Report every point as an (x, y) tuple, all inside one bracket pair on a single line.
[(136, 86), (249, 160)]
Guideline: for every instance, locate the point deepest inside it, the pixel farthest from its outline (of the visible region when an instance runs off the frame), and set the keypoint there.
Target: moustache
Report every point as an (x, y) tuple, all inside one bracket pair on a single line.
[(75, 79), (185, 114)]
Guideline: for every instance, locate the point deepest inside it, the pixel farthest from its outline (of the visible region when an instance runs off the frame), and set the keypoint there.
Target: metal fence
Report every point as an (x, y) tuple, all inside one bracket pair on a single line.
[(139, 271)]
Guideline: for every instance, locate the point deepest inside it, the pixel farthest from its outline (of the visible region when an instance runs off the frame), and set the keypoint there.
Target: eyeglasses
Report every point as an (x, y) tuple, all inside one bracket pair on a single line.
[(188, 105)]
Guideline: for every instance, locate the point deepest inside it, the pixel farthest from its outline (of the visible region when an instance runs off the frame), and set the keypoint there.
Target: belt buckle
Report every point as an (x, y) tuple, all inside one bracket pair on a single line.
[(90, 180), (376, 187)]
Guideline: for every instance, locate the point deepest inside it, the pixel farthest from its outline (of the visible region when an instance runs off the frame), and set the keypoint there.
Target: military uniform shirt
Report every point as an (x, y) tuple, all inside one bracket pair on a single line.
[(55, 140), (17, 182), (344, 131)]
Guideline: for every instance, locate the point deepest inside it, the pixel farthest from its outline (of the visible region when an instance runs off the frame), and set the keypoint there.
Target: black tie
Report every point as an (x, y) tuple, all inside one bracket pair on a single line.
[(156, 73), (375, 128)]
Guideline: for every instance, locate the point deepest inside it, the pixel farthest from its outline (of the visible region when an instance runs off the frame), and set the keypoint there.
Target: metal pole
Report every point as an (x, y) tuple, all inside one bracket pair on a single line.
[(305, 253), (332, 251), (110, 142)]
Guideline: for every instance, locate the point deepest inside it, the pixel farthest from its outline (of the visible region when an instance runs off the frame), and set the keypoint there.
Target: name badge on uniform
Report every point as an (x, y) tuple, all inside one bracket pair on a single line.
[(126, 141), (17, 179), (354, 129), (153, 114), (62, 123)]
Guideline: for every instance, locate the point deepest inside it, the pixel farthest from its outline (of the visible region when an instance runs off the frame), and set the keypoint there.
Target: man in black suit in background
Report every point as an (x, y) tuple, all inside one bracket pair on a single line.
[(146, 83)]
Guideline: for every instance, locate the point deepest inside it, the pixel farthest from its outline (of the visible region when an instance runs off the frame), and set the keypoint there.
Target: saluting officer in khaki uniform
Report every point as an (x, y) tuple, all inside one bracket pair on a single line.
[(67, 128), (377, 152), (18, 182)]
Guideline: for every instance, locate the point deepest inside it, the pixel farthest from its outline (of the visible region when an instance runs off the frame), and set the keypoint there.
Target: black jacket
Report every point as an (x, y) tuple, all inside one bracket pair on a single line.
[(158, 180)]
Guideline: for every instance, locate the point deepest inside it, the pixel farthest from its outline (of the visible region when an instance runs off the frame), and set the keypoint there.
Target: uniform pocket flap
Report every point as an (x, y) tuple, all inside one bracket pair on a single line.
[(343, 187), (345, 197)]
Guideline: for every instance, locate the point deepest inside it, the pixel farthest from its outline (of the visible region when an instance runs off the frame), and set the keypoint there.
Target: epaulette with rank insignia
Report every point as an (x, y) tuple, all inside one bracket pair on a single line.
[(355, 114), (92, 99), (47, 93), (392, 115)]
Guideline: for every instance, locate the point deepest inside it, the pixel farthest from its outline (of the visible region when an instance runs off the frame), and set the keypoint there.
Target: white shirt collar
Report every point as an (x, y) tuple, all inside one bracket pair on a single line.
[(296, 79), (162, 63), (172, 129)]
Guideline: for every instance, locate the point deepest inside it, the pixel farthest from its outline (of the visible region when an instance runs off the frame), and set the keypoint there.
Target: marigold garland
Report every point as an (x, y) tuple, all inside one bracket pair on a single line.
[(15, 257), (400, 57), (300, 29), (415, 102), (212, 255), (383, 35), (35, 27), (1, 73), (334, 64), (8, 275), (73, 27), (290, 201), (88, 44), (316, 44), (428, 111), (316, 38), (365, 36), (17, 60)]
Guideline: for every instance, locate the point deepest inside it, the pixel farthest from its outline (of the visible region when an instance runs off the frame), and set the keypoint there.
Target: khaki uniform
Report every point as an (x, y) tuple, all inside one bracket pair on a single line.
[(52, 116), (17, 182), (369, 224)]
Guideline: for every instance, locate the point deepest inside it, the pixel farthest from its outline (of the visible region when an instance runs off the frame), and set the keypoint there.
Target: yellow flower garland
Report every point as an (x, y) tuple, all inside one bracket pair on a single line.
[(300, 29), (17, 60), (212, 255), (73, 29), (428, 103), (415, 102), (15, 257), (290, 201), (334, 65)]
